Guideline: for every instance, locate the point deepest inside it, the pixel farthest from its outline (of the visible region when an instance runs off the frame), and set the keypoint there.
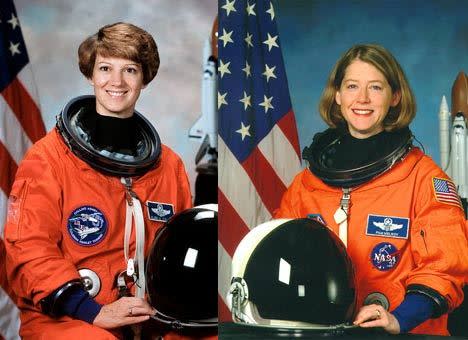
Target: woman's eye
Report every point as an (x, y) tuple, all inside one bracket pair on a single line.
[(351, 86), (104, 68), (131, 70), (376, 87)]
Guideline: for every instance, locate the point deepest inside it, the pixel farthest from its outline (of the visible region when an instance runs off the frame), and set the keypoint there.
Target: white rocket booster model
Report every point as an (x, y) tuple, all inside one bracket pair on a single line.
[(205, 130), (444, 135), (453, 135)]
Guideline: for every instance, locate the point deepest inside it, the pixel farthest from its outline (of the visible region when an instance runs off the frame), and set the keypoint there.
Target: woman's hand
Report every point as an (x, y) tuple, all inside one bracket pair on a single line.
[(124, 311), (377, 316)]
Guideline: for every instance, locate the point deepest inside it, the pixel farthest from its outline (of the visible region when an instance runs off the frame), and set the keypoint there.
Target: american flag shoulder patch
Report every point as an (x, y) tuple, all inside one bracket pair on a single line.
[(445, 191)]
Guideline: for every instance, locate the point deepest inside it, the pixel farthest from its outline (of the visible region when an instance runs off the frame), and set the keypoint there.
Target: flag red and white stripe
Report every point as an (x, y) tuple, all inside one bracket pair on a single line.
[(248, 197), (21, 125)]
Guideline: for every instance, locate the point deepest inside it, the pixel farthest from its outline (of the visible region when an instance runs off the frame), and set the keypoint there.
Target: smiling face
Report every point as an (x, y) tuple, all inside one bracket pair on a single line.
[(365, 98), (117, 85)]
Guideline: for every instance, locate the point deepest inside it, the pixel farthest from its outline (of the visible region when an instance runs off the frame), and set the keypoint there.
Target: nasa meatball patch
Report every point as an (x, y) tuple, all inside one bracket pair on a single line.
[(387, 226), (87, 225), (385, 256), (160, 212)]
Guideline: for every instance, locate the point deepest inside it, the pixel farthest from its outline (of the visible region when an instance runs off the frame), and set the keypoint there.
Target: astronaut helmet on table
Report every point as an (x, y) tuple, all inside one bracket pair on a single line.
[(292, 274)]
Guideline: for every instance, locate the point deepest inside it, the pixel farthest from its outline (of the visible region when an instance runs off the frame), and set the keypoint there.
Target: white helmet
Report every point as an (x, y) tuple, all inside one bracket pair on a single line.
[(292, 273)]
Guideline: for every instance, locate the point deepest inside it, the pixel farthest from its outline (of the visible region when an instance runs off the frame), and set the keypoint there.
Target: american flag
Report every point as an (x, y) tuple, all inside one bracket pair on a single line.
[(446, 192), (258, 143), (20, 125)]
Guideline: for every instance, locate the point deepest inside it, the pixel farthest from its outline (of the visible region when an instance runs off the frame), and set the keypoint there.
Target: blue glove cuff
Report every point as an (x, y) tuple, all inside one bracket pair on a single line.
[(413, 311), (80, 305)]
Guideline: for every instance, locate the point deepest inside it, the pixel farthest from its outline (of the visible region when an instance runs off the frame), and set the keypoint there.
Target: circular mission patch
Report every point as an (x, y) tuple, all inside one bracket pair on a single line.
[(87, 225)]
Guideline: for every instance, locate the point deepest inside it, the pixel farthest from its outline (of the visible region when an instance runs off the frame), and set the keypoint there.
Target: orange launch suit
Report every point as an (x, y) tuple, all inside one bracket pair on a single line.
[(433, 253), (51, 184)]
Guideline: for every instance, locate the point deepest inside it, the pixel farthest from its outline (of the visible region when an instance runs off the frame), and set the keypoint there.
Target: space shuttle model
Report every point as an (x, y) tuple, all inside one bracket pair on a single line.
[(205, 129), (453, 136)]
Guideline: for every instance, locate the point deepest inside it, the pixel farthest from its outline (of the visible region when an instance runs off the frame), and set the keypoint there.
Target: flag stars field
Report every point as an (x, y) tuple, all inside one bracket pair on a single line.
[(13, 21), (229, 7), (222, 99), (248, 39), (14, 48), (269, 72), (267, 103), (226, 37), (271, 42), (246, 101), (271, 11), (244, 130), (224, 68), (250, 9), (246, 69)]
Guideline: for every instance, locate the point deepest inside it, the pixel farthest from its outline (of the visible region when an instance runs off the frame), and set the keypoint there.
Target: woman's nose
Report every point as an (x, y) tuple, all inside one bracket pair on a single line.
[(363, 96), (116, 78)]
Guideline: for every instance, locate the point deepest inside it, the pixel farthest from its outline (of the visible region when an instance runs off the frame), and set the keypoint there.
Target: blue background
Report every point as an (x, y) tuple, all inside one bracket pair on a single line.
[(429, 39)]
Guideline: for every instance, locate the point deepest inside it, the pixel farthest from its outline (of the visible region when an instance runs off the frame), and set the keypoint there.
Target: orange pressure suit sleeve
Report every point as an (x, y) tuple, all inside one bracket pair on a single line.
[(35, 264), (438, 243)]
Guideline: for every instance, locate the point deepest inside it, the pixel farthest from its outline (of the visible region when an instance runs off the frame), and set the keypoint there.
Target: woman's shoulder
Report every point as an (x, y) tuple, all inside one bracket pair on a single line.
[(428, 166), (46, 153), (306, 180), (429, 176), (46, 147), (168, 155)]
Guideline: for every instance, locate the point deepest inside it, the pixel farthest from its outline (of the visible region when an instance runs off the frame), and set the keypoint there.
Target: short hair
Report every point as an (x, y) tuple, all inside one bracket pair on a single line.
[(399, 116), (121, 40)]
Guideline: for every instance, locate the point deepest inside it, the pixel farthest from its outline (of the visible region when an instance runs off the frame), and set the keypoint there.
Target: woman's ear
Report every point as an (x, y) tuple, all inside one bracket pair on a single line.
[(396, 97), (338, 97)]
